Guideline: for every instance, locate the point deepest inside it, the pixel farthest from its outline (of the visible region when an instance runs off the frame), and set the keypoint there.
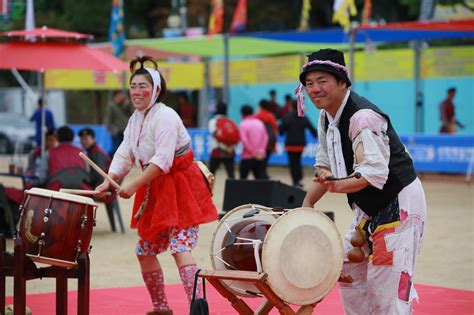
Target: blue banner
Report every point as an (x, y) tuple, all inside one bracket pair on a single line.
[(431, 153), (441, 153)]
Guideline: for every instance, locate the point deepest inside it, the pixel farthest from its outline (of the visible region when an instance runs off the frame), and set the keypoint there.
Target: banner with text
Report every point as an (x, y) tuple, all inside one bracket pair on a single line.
[(178, 76), (431, 153), (435, 63), (443, 153)]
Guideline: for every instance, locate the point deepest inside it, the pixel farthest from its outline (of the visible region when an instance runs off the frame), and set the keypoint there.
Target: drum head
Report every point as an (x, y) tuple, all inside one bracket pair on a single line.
[(302, 256), (232, 218), (60, 195)]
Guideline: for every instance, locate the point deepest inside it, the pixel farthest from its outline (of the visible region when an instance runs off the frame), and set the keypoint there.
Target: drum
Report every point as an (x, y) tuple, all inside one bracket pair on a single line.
[(300, 250), (56, 227)]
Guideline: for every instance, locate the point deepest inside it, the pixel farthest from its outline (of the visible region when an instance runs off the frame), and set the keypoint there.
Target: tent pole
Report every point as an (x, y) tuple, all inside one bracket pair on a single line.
[(29, 91), (204, 99), (43, 112), (418, 92), (226, 69), (352, 36)]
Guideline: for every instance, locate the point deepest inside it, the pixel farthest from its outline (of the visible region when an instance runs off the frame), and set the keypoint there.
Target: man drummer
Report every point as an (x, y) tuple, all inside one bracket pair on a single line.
[(358, 141)]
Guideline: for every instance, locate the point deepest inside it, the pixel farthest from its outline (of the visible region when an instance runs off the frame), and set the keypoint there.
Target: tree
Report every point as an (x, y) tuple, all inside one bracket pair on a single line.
[(147, 18)]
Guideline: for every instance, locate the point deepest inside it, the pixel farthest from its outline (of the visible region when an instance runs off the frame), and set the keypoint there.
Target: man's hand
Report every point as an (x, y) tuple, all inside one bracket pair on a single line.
[(321, 175), (260, 156), (315, 191)]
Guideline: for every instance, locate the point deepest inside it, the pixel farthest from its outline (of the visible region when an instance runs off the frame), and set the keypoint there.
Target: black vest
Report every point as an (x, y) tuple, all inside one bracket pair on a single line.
[(401, 171)]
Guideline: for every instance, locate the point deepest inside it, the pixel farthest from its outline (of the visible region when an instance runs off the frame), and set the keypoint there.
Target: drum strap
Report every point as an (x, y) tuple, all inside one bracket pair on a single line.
[(199, 306), (144, 202)]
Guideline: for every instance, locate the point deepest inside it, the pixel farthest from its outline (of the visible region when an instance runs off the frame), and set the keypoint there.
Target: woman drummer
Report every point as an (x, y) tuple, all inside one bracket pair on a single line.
[(172, 197)]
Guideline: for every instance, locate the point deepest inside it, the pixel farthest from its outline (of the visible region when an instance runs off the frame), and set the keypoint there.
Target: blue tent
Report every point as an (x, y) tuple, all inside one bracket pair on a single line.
[(391, 32)]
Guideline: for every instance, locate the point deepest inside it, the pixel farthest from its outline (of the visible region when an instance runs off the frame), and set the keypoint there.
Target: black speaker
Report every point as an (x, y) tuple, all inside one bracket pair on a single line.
[(268, 193)]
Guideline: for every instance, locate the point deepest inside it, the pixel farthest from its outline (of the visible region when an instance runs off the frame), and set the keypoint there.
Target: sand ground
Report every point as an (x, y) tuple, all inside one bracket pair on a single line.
[(446, 259)]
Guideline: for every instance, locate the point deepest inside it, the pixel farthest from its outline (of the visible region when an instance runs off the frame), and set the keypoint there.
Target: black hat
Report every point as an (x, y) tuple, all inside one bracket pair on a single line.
[(87, 132), (330, 55)]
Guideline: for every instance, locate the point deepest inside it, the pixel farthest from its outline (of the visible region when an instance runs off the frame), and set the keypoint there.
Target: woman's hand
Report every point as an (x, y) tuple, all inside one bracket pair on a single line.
[(128, 190), (102, 189)]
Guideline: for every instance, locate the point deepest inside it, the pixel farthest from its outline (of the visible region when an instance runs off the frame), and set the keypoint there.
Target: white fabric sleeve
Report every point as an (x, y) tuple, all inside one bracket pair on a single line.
[(165, 136), (122, 161), (369, 128), (322, 157)]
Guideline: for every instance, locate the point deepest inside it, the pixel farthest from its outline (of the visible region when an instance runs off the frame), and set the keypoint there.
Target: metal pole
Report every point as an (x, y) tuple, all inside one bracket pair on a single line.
[(43, 112), (225, 91), (427, 8), (29, 91), (204, 99), (418, 92), (352, 38), (183, 11)]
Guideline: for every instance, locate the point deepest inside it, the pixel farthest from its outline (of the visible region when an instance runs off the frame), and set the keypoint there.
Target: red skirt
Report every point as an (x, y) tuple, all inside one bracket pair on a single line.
[(180, 198)]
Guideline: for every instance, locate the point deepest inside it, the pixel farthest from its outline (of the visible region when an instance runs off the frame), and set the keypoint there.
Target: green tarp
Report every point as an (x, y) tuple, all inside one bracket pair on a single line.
[(238, 46)]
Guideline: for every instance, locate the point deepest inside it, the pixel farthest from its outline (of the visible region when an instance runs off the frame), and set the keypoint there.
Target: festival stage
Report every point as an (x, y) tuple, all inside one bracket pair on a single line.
[(135, 300)]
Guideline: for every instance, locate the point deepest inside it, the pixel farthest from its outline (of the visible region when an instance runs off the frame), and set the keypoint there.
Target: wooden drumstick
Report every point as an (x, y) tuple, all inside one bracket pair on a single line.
[(99, 170), (81, 192)]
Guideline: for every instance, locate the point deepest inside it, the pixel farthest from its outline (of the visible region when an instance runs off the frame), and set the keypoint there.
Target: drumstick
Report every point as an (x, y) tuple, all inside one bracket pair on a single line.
[(81, 192), (332, 178), (99, 170)]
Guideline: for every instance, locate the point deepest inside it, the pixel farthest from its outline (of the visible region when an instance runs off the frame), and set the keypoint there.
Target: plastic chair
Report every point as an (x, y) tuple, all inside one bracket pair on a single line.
[(111, 208), (70, 177), (8, 211)]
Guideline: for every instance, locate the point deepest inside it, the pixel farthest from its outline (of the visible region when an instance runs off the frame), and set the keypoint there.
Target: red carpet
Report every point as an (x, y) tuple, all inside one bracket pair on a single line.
[(135, 300)]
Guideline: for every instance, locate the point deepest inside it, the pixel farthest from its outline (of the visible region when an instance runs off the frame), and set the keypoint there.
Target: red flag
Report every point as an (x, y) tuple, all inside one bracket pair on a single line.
[(239, 21), (216, 19), (4, 10), (367, 12)]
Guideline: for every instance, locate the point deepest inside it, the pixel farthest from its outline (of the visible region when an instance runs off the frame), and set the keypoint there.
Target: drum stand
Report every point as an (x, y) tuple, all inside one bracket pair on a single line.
[(258, 279), (23, 269)]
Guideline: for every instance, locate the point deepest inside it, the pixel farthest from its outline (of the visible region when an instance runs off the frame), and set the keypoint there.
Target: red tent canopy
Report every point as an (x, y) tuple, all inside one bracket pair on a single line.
[(46, 33), (40, 56)]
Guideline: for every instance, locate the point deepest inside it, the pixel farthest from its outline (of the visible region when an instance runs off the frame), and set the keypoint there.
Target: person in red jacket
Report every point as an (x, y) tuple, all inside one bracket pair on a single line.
[(37, 164), (447, 113), (186, 111), (65, 166)]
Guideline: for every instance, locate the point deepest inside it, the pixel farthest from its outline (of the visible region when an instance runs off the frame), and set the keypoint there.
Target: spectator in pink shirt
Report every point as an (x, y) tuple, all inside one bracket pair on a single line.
[(254, 138)]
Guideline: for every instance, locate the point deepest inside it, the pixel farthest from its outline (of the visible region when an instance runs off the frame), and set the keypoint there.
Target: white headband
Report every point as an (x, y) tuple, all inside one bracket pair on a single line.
[(326, 62), (299, 89), (155, 75)]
